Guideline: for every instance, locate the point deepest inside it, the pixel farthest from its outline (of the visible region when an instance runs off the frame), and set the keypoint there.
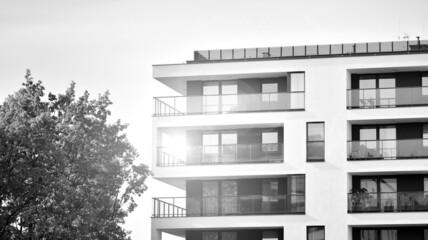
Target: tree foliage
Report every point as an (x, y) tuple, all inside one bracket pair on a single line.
[(65, 171)]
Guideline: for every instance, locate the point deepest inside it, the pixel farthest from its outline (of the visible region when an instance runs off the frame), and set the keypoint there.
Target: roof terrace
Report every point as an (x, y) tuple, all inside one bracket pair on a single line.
[(311, 51)]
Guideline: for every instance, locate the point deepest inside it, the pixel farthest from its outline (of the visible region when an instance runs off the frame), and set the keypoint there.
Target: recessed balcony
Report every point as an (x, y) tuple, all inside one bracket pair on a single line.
[(387, 97), (220, 154), (235, 197), (388, 193), (388, 149), (387, 202), (228, 206), (230, 103)]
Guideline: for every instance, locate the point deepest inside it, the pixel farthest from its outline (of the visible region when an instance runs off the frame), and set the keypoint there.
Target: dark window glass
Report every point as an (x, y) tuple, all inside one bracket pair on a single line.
[(229, 236), (210, 236), (270, 235), (315, 142), (316, 233)]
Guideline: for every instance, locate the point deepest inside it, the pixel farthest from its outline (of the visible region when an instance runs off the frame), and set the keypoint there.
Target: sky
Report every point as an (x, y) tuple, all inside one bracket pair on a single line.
[(112, 44)]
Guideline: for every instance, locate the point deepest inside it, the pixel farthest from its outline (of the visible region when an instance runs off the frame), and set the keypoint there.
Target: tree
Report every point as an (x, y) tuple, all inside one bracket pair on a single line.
[(65, 171)]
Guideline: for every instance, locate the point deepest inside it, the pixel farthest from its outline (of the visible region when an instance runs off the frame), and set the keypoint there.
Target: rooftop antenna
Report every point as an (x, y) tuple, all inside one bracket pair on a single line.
[(405, 36)]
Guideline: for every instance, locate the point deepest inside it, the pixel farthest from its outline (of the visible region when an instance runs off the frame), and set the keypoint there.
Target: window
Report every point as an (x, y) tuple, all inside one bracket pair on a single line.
[(210, 194), (220, 96), (269, 195), (297, 89), (425, 135), (229, 235), (270, 235), (378, 142), (425, 84), (378, 234), (210, 236), (316, 232), (315, 142), (269, 141), (270, 92), (229, 193), (377, 90)]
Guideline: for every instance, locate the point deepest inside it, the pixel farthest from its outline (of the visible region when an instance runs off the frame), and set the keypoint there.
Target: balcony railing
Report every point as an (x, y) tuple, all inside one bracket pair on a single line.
[(388, 202), (229, 206), (220, 154), (327, 50), (388, 149), (231, 103), (387, 97)]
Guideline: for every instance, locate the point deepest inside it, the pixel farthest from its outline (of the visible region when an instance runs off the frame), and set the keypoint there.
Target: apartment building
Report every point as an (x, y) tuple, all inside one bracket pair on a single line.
[(295, 143)]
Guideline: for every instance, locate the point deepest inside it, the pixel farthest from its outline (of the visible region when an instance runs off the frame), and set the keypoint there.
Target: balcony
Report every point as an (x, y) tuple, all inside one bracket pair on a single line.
[(231, 103), (220, 154), (387, 149), (311, 51), (387, 97), (228, 206), (387, 202)]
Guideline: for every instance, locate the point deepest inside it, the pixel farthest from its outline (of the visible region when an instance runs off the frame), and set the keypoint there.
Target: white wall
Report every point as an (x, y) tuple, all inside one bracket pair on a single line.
[(327, 183)]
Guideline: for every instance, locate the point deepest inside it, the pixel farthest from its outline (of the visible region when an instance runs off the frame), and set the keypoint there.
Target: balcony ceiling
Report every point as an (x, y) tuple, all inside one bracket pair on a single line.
[(179, 83)]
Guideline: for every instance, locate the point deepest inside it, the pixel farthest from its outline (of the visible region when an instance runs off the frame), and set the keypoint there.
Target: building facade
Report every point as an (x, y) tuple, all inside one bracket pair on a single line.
[(308, 142)]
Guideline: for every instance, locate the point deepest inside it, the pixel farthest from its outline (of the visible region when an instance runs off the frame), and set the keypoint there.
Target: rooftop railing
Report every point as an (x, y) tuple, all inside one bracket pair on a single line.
[(387, 202), (327, 50), (387, 97), (228, 206), (220, 154), (231, 103), (388, 149)]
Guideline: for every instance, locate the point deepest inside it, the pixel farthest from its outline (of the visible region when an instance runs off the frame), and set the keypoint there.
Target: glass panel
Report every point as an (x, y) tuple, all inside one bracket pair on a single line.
[(211, 88), (369, 184), (388, 149), (210, 236), (387, 96), (368, 133), (211, 103), (270, 141), (316, 233), (210, 193), (229, 200), (229, 236), (315, 131), (425, 85), (297, 185), (369, 235), (229, 147), (425, 135), (297, 82), (210, 144), (229, 138), (229, 87), (269, 88), (388, 234), (388, 188), (367, 97), (315, 151), (270, 235), (270, 190), (315, 144)]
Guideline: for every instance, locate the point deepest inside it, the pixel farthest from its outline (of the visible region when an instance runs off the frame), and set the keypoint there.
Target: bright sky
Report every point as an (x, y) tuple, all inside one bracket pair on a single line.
[(111, 44)]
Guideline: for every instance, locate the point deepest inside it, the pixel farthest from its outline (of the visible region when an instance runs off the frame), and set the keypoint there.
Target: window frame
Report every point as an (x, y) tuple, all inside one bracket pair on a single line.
[(314, 226), (308, 141)]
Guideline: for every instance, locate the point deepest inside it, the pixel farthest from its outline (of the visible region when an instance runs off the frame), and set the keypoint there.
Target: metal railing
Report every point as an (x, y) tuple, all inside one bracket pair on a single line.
[(230, 103), (387, 149), (220, 154), (387, 97), (388, 202), (327, 50), (229, 206)]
